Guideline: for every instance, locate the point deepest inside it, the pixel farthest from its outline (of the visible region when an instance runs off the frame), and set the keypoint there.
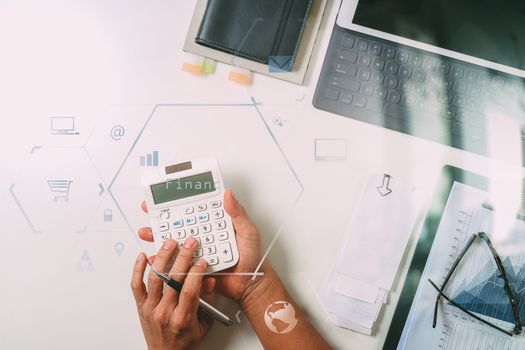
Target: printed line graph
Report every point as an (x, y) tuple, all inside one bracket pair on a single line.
[(485, 295), (477, 286)]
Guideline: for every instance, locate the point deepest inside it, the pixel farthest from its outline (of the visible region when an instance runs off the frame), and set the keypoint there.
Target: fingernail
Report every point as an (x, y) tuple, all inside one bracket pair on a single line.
[(168, 244), (189, 243), (140, 258), (201, 263)]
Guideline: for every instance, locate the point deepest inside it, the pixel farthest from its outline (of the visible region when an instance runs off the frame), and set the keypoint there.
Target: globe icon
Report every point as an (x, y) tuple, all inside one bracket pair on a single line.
[(280, 317)]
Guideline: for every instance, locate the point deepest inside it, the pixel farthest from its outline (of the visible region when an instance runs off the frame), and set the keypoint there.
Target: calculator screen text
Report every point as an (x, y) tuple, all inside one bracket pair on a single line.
[(182, 188)]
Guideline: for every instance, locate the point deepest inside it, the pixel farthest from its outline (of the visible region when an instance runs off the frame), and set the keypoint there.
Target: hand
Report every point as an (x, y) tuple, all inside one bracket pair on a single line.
[(233, 285), (170, 320)]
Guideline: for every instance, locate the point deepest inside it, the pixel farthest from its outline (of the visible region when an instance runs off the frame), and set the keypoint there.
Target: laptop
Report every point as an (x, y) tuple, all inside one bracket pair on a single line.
[(63, 126), (449, 71)]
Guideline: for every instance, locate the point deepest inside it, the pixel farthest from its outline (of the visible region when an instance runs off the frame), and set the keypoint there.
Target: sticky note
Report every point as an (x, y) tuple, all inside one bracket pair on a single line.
[(241, 76), (209, 66), (278, 64), (193, 64)]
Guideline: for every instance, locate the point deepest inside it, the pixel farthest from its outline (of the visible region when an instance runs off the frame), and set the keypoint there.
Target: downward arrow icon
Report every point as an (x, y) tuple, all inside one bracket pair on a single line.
[(383, 189)]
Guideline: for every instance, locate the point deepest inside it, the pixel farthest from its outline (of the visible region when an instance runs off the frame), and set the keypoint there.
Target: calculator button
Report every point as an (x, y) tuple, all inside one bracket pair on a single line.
[(219, 225), (210, 249), (194, 231), (204, 217), (216, 204), (198, 253), (222, 236), (164, 227), (225, 252), (164, 214), (188, 210), (165, 236), (212, 260), (180, 244), (218, 214), (190, 220), (206, 228), (207, 239), (178, 223), (180, 234), (201, 207)]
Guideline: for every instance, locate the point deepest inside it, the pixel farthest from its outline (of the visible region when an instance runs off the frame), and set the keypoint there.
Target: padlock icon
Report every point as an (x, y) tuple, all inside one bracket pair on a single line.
[(108, 215)]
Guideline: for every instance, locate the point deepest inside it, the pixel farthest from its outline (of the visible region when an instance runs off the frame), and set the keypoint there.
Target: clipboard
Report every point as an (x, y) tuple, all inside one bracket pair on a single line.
[(449, 176)]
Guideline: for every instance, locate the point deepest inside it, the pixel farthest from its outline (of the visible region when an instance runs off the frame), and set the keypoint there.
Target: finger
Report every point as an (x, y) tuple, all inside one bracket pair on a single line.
[(208, 294), (137, 279), (144, 206), (180, 268), (208, 288), (242, 223), (146, 234), (155, 284), (189, 295)]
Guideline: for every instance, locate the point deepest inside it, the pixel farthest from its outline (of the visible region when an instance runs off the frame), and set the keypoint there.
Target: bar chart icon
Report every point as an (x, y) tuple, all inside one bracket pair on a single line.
[(150, 159)]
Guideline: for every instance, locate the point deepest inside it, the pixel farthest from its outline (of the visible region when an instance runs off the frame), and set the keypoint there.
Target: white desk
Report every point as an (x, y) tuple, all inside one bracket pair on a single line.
[(111, 63)]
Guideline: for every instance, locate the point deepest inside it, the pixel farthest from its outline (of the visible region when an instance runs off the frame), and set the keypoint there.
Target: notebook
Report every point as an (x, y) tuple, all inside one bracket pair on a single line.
[(264, 31)]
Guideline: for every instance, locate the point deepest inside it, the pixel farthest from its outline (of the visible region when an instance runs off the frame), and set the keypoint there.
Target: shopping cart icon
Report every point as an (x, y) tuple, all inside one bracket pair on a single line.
[(60, 188)]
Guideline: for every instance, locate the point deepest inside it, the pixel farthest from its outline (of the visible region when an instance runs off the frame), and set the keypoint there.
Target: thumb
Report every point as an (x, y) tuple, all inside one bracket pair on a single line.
[(242, 223)]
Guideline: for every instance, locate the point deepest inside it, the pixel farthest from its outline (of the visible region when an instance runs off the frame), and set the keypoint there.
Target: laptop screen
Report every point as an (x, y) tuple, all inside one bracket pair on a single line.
[(491, 30)]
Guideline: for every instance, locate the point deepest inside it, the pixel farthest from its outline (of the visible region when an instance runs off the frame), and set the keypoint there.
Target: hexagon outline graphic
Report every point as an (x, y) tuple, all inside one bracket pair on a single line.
[(253, 104), (18, 201)]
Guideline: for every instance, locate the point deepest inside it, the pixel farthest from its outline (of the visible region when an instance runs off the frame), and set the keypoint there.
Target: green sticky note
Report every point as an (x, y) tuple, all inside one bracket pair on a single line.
[(209, 66)]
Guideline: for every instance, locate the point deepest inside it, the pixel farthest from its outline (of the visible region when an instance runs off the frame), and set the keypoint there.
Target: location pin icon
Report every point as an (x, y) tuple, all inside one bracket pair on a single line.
[(119, 248)]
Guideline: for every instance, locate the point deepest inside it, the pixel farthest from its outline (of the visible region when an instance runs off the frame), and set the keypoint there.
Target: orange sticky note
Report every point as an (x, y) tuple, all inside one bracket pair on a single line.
[(193, 64), (192, 68), (241, 76)]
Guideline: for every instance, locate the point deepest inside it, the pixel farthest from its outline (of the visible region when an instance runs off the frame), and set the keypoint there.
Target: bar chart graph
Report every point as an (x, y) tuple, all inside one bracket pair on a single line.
[(150, 159)]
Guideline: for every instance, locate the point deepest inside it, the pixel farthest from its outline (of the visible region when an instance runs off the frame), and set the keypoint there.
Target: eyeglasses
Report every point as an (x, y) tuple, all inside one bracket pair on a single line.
[(506, 288)]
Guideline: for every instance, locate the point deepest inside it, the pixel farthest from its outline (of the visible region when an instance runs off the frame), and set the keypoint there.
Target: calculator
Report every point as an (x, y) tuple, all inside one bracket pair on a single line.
[(186, 200)]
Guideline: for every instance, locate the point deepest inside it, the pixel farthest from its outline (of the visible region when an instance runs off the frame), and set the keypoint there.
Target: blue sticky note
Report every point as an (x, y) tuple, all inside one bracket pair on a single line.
[(279, 64)]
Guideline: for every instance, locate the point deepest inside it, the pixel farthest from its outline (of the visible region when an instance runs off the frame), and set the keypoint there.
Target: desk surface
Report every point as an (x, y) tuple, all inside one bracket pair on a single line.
[(117, 63)]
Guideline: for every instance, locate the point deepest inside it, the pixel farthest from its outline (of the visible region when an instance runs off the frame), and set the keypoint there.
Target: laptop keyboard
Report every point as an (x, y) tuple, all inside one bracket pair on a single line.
[(414, 91)]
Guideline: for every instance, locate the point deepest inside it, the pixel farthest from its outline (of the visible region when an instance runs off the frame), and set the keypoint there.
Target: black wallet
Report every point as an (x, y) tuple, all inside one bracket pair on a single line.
[(266, 31)]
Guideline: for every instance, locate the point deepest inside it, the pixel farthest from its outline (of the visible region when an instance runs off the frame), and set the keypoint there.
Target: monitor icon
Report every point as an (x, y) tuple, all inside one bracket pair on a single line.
[(63, 126)]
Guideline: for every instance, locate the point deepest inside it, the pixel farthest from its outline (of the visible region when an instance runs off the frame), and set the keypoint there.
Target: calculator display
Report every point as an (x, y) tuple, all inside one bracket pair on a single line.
[(182, 188)]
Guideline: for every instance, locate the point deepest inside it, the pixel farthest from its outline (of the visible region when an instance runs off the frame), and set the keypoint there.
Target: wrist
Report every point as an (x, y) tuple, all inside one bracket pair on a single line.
[(256, 290)]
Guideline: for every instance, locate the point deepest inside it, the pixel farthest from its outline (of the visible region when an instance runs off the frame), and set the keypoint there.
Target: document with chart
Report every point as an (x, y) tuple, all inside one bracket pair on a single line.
[(475, 285)]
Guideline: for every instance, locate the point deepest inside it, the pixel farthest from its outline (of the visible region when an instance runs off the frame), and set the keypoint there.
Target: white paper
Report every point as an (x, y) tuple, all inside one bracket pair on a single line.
[(379, 232), (357, 311), (341, 322), (356, 289), (464, 215)]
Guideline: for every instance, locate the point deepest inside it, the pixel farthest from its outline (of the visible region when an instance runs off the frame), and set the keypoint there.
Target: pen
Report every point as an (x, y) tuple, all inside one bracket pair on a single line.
[(204, 306)]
